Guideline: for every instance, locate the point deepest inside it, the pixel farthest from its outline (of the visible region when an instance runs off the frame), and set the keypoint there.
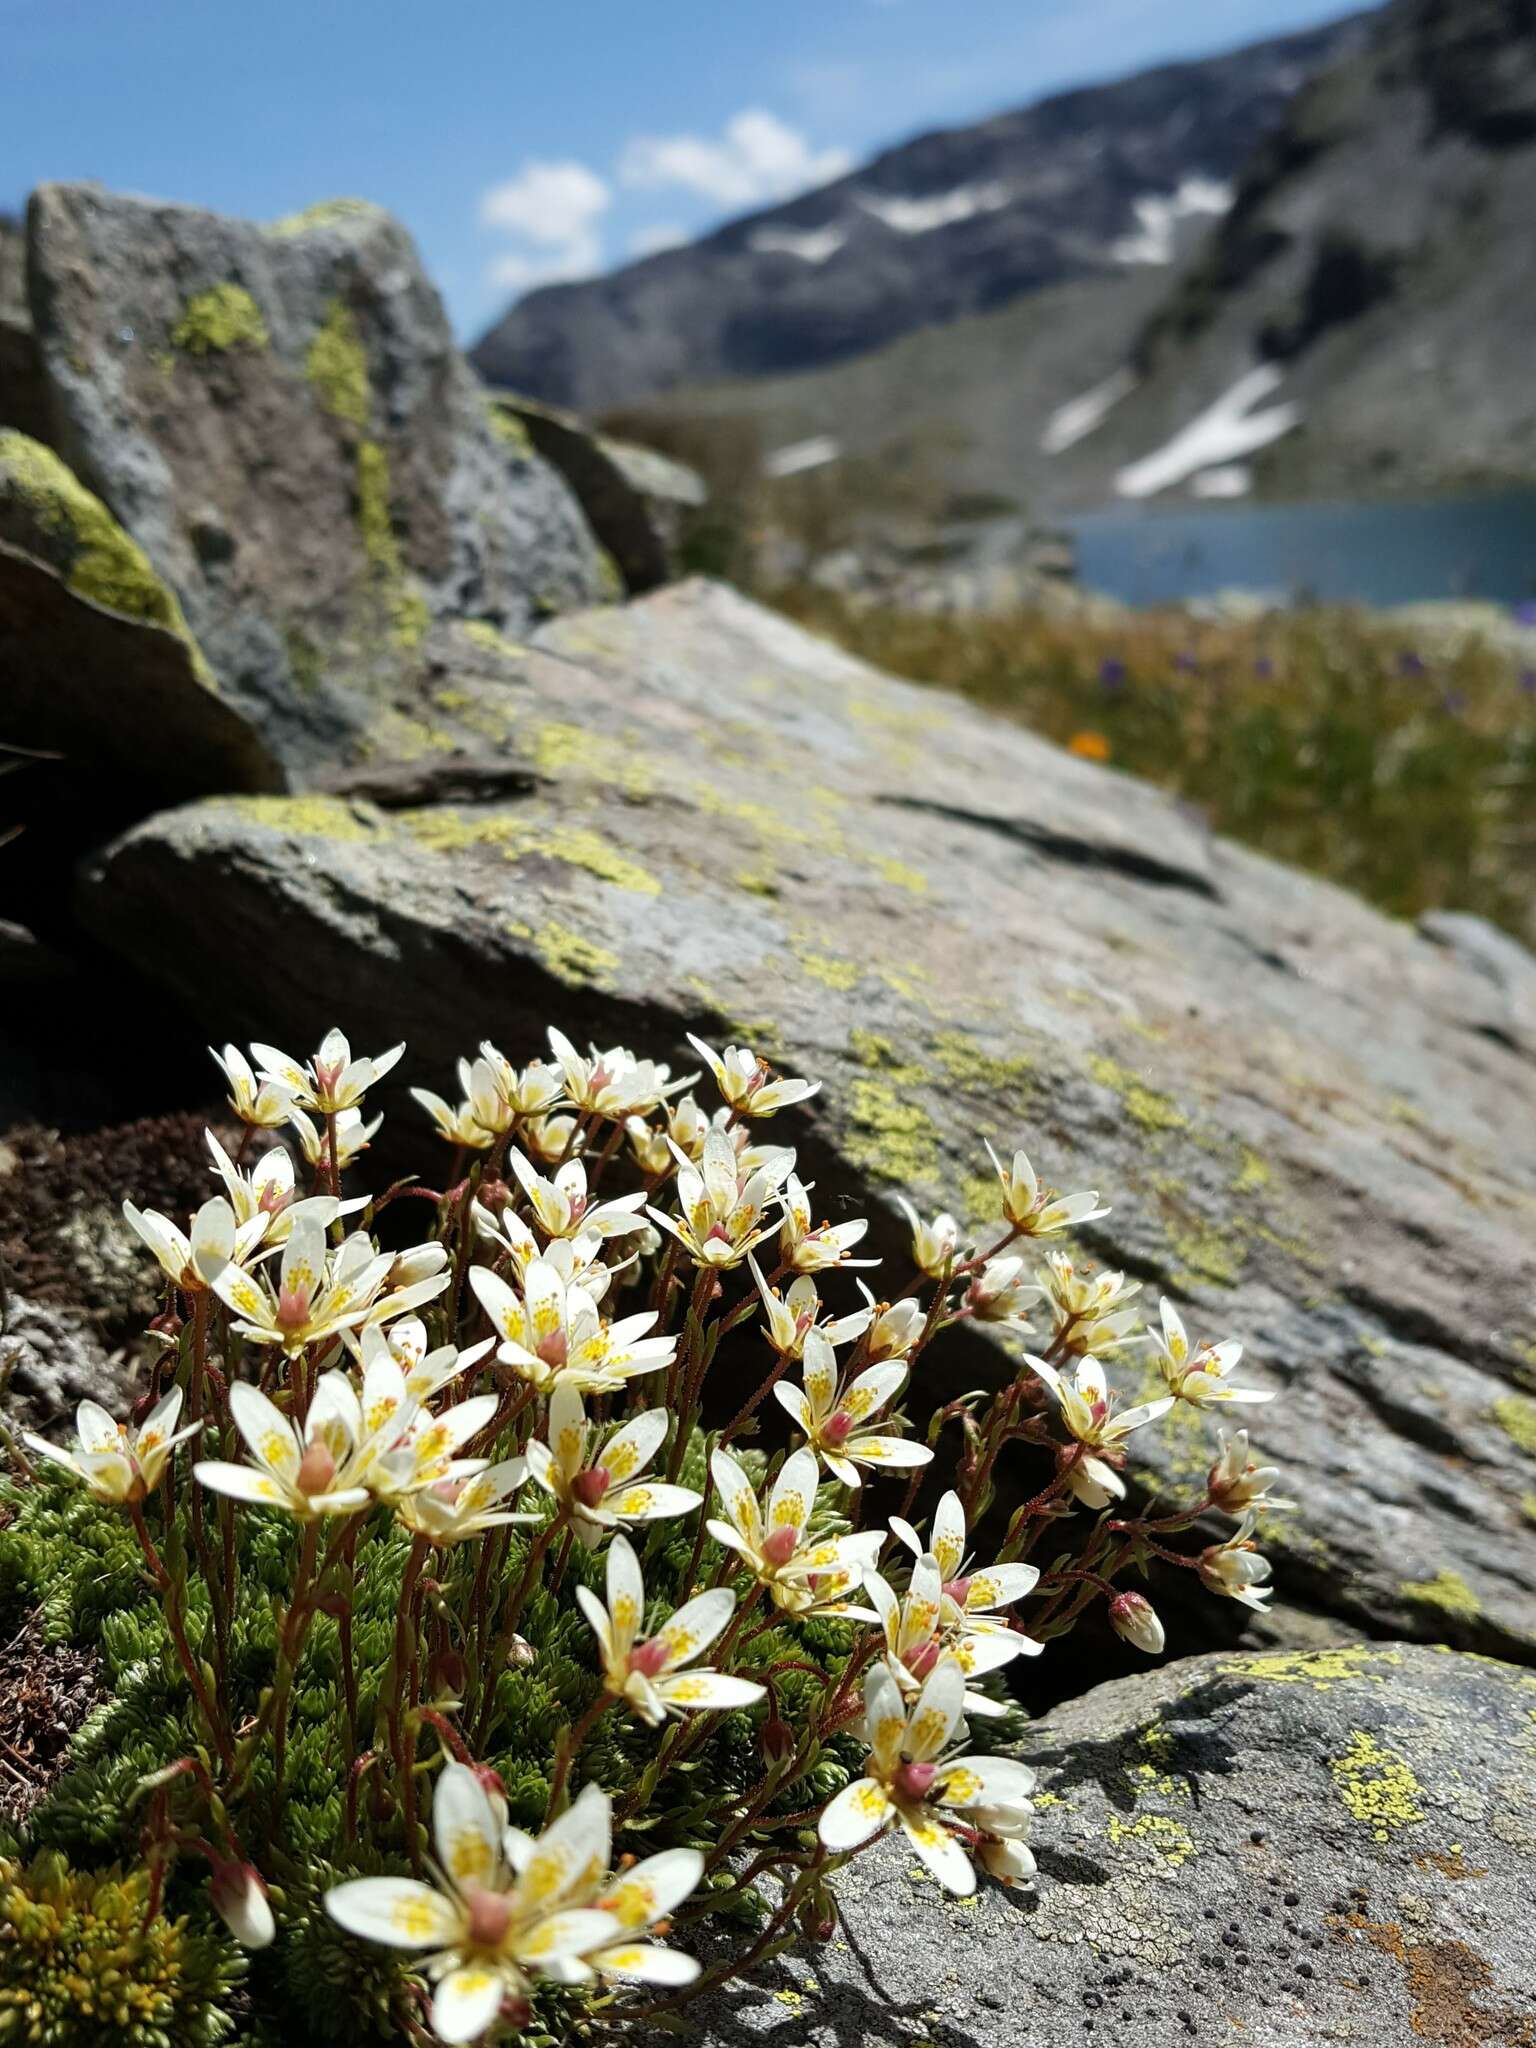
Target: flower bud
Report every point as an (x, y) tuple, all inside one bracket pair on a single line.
[(589, 1487), (238, 1895), (781, 1546), (1009, 1862), (1134, 1620), (317, 1468), (777, 1739)]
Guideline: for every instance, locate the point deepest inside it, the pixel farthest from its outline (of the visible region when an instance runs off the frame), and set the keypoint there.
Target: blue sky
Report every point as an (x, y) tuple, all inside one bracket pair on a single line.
[(520, 140)]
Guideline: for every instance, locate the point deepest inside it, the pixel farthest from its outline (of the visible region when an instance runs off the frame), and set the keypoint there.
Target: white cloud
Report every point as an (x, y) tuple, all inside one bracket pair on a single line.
[(757, 158), (554, 207), (664, 234)]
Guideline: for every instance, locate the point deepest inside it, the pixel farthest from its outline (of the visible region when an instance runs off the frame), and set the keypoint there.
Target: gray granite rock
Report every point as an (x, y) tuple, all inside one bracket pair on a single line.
[(688, 813), (278, 417), (1294, 1849), (51, 1359)]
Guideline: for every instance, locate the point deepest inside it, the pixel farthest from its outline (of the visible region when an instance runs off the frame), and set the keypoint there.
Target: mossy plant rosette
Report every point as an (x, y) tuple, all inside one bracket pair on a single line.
[(389, 1563)]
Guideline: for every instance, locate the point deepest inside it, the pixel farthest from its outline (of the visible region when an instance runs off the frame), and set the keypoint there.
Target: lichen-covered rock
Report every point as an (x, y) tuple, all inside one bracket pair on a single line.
[(278, 417), (51, 1359), (1339, 1846), (635, 497), (709, 819), (23, 396), (94, 648)]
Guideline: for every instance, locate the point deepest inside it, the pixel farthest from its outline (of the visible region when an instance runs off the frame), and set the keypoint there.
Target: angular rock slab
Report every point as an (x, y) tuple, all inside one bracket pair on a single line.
[(1335, 1847), (705, 817), (278, 416)]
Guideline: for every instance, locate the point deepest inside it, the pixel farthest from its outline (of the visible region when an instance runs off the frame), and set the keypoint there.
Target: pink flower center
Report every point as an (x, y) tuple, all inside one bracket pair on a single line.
[(958, 1590), (838, 1428), (781, 1546), (922, 1657), (293, 1308), (327, 1076), (317, 1468), (915, 1781), (489, 1916), (718, 1230), (649, 1658), (589, 1487), (555, 1348)]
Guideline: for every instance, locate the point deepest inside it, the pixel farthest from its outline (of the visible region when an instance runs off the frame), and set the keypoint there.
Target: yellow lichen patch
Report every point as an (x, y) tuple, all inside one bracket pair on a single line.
[(1516, 1416), (1144, 1106), (1172, 1843), (566, 750), (1448, 1591), (106, 566), (303, 817), (443, 829), (1207, 1253), (571, 957), (329, 213), (756, 882), (1254, 1173), (1318, 1668), (508, 428), (826, 968), (482, 634), (337, 366), (900, 875), (1377, 1786), (409, 616), (976, 1071), (222, 318)]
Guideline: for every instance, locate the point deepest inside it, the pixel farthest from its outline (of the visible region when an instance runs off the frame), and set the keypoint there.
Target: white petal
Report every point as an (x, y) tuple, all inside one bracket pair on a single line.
[(466, 1833), (466, 2002), (859, 1811), (940, 1851), (398, 1911)]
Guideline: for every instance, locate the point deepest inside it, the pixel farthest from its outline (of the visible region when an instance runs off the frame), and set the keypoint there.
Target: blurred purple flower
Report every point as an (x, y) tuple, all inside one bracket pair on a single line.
[(1264, 667), (1454, 702), (1410, 663), (1528, 681), (1525, 614), (1186, 663), (1112, 673)]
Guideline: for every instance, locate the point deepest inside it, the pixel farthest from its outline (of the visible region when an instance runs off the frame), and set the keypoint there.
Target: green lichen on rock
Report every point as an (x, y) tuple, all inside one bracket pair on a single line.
[(302, 817), (1319, 1669), (978, 1072), (1516, 1416), (337, 366), (482, 634), (508, 428), (572, 958), (102, 563), (1377, 1786), (892, 1135), (216, 321), (1146, 1107), (408, 612), (1448, 1591), (327, 213), (442, 829)]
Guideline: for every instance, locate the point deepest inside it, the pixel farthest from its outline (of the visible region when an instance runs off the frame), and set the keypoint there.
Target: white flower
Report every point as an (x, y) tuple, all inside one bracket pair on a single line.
[(426, 1372), (791, 1317), (920, 1630), (612, 1084), (722, 1213), (814, 1249), (1235, 1569), (264, 1201), (1135, 1620), (451, 1511), (506, 1908), (835, 1425), (1201, 1377), (1087, 1408), (1088, 1312), (238, 1894), (895, 1328), (265, 1105), (934, 1244), (120, 1464), (553, 1334), (970, 1597), (332, 1080), (599, 1486), (320, 1293), (528, 1091), (909, 1781), (353, 1137), (456, 1126), (192, 1262), (648, 1674), (1040, 1212), (424, 1453), (1237, 1483), (746, 1082), (551, 1138), (309, 1472), (801, 1572), (563, 1208), (1000, 1294)]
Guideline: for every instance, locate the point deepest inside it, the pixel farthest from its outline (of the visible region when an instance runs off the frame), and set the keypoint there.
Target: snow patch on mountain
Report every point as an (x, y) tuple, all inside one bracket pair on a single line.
[(1076, 420), (1159, 214), (811, 245), (911, 216), (1221, 435)]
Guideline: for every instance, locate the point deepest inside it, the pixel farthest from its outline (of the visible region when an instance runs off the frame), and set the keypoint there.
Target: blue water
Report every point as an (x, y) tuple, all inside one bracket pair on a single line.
[(1387, 552)]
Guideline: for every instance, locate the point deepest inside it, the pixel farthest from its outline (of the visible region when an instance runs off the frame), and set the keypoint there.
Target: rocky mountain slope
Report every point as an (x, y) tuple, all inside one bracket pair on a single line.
[(953, 222)]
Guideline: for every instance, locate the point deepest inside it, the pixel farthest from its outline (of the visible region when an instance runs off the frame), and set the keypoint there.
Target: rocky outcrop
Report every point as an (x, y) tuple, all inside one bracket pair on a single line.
[(688, 813), (953, 222), (23, 395), (1330, 1847), (277, 417), (635, 499)]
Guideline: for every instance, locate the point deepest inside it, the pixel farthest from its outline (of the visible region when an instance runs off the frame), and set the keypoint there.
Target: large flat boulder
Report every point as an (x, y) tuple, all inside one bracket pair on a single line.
[(695, 815), (1338, 1847), (278, 417)]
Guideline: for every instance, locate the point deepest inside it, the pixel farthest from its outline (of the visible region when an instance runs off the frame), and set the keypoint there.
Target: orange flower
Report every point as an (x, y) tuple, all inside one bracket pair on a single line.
[(1089, 746)]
